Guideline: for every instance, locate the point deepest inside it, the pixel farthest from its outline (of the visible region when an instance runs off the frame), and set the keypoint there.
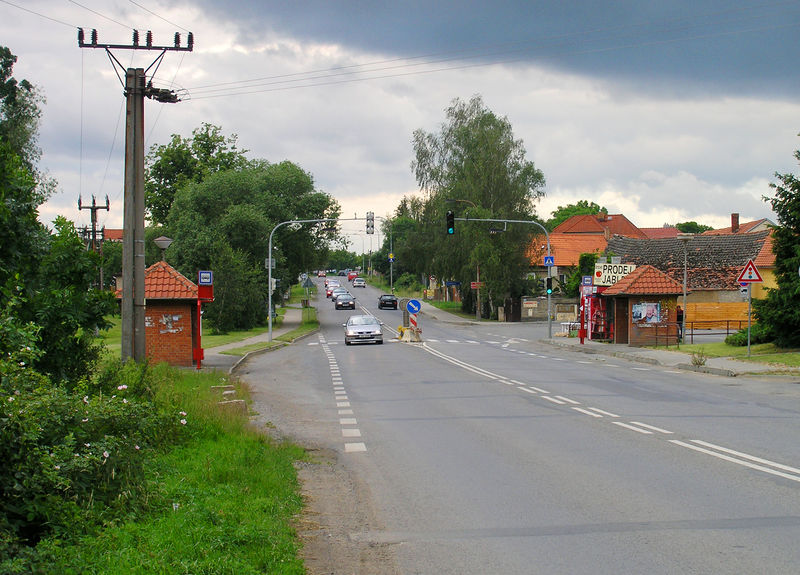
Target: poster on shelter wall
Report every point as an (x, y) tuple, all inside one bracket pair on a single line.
[(646, 312)]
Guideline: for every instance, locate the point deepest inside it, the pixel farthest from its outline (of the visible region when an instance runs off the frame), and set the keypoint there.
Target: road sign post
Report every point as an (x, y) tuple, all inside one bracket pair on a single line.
[(748, 277)]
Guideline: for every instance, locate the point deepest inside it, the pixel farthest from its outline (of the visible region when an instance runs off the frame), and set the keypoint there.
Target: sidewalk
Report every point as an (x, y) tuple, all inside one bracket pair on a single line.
[(671, 358), (215, 360)]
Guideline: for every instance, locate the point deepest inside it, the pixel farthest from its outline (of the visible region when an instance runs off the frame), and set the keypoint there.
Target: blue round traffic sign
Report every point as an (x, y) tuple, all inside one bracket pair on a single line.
[(413, 306)]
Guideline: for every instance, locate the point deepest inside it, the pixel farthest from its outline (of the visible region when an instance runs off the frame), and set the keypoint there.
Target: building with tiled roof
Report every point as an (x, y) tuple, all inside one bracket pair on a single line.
[(660, 233), (605, 225), (171, 324), (742, 228), (713, 262), (643, 307)]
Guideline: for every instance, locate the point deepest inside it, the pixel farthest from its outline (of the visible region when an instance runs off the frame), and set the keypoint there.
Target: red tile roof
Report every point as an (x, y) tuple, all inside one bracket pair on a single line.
[(112, 235), (162, 281), (565, 248), (662, 232), (603, 224), (645, 280), (744, 228)]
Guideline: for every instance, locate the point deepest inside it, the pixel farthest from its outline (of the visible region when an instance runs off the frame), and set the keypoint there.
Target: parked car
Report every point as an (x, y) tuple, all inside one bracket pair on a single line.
[(387, 301), (359, 282), (345, 301), (363, 328)]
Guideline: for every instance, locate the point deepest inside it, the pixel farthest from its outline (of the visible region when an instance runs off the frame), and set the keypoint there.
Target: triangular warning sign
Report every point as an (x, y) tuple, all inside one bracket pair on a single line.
[(749, 274)]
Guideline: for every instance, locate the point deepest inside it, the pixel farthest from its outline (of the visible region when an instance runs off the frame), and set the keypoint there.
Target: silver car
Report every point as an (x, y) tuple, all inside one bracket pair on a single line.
[(363, 328)]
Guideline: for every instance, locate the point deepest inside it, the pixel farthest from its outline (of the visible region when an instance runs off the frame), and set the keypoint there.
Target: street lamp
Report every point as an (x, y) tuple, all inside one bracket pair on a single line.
[(163, 242), (685, 239)]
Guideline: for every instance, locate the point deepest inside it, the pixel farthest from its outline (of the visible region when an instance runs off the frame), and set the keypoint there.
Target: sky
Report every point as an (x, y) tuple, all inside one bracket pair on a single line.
[(664, 112)]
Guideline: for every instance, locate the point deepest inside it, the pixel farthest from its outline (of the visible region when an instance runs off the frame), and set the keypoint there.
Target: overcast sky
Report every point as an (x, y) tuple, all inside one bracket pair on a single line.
[(662, 111)]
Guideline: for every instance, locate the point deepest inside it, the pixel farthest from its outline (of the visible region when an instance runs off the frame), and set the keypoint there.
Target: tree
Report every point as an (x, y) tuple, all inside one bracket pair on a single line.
[(779, 312), (582, 208), (19, 112), (692, 228), (224, 222), (475, 160), (184, 160)]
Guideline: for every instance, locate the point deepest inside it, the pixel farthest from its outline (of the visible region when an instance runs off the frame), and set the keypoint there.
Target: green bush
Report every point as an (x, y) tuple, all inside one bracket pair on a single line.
[(74, 458), (758, 334), (408, 281)]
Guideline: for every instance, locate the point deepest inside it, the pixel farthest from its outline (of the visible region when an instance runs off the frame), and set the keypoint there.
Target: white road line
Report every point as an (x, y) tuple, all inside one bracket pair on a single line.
[(342, 404), (640, 368), (568, 400), (653, 427), (737, 461), (473, 341), (525, 389), (600, 411), (539, 389), (557, 358), (587, 412), (746, 456), (451, 341), (553, 399), (351, 432), (348, 421), (585, 362), (516, 382), (354, 447), (632, 428), (345, 412)]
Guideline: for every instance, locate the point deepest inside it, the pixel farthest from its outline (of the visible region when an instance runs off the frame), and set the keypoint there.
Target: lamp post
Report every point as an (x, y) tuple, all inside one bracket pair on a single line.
[(685, 239), (163, 242)]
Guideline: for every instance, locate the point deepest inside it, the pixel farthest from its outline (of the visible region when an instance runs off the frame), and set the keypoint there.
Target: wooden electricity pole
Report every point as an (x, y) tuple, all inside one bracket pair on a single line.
[(136, 88)]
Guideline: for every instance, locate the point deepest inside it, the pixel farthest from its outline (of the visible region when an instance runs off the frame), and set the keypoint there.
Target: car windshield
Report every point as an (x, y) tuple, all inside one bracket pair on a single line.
[(362, 320)]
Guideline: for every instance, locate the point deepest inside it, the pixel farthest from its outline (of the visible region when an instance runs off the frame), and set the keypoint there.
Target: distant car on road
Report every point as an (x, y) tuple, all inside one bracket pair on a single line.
[(321, 274), (330, 286), (387, 301), (359, 282), (345, 301), (338, 292), (351, 275), (363, 328)]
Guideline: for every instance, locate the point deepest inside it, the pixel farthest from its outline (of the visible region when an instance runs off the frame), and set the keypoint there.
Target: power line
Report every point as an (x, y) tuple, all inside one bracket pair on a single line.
[(99, 14), (57, 21), (157, 16)]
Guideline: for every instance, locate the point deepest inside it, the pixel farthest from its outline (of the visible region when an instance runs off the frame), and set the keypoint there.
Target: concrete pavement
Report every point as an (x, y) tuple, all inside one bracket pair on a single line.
[(216, 360)]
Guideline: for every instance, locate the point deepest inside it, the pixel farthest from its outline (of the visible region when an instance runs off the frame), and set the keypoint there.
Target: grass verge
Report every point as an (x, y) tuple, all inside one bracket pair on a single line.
[(308, 325), (220, 502), (759, 353)]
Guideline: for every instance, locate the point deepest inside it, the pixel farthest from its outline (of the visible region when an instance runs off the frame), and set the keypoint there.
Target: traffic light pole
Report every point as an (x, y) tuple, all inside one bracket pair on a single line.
[(549, 268)]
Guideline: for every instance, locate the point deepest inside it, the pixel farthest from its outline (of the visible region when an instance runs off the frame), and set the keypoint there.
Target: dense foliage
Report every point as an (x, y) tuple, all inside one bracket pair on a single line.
[(224, 223), (475, 167), (581, 208), (779, 312)]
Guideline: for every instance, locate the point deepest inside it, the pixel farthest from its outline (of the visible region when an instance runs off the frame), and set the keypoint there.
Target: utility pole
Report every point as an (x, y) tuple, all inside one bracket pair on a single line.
[(94, 207), (136, 89)]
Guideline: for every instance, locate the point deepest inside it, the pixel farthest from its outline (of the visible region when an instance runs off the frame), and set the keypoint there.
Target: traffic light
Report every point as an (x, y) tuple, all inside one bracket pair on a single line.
[(370, 222), (451, 222), (549, 285)]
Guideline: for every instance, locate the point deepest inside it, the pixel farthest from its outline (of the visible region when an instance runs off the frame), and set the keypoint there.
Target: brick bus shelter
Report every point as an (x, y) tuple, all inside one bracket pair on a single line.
[(171, 321)]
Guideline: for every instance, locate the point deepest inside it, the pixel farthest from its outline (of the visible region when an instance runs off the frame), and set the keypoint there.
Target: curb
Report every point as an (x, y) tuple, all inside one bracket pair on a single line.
[(256, 352)]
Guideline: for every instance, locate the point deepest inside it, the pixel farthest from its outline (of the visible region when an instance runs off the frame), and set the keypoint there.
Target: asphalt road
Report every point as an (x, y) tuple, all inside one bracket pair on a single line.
[(486, 452)]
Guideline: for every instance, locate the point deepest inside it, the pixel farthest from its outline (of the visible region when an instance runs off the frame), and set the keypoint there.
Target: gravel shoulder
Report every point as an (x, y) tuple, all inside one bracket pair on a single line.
[(338, 504)]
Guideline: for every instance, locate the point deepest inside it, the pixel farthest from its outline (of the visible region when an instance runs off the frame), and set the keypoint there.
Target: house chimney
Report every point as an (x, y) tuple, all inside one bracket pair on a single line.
[(734, 223)]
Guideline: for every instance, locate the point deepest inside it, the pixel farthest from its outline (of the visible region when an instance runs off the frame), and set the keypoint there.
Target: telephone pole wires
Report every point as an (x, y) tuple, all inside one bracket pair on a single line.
[(136, 89), (94, 207)]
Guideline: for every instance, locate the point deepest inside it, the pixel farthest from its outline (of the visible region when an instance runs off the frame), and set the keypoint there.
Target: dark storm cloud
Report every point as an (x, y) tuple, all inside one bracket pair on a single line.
[(672, 46)]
